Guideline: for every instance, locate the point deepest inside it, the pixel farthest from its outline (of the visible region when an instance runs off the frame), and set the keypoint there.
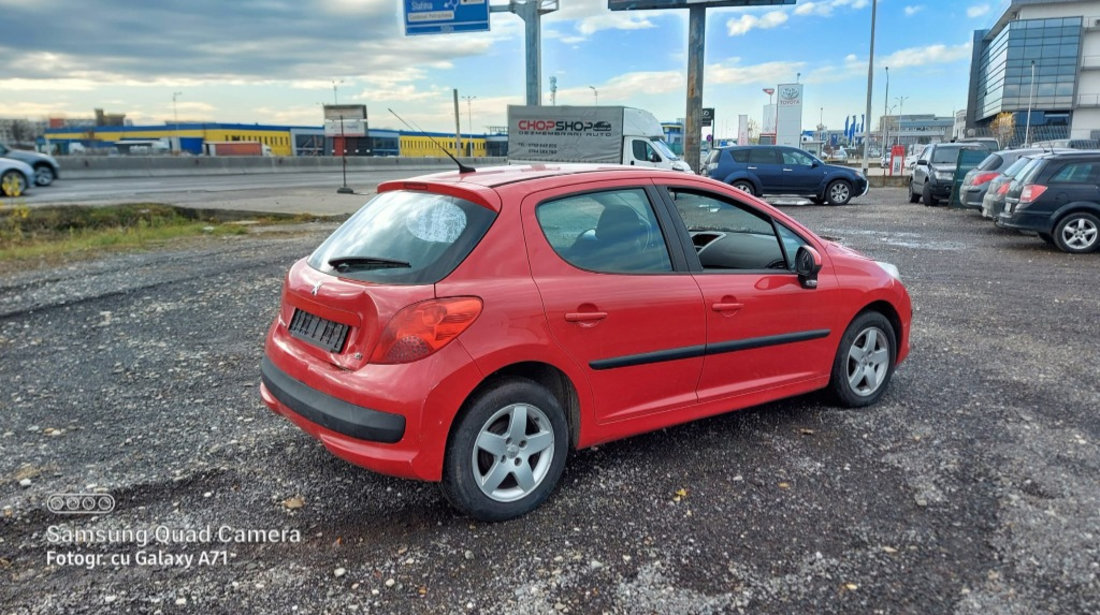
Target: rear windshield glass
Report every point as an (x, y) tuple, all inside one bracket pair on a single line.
[(404, 237), (945, 155), (1029, 170), (992, 162), (1015, 167)]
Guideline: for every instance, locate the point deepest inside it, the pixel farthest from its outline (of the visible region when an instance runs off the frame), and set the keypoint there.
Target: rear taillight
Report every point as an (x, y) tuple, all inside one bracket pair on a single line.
[(423, 328), (983, 178), (1003, 190), (1031, 192)]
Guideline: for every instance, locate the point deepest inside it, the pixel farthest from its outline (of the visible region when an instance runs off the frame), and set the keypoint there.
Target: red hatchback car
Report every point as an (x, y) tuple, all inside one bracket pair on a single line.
[(472, 328)]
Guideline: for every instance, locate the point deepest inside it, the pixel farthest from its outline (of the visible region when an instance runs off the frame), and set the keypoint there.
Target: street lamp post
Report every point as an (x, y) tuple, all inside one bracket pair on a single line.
[(344, 160), (901, 111), (1030, 100), (870, 84), (595, 93), (470, 123), (885, 122), (334, 84)]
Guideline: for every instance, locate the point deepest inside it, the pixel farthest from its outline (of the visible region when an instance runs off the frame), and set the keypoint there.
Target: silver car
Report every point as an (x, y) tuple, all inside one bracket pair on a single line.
[(977, 181), (46, 168), (15, 176)]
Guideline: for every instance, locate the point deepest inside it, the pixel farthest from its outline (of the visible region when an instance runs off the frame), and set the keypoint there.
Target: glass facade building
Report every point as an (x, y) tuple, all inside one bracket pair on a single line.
[(1002, 79)]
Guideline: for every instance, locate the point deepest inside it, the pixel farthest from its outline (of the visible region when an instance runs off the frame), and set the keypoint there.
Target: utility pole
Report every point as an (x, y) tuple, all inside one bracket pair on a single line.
[(901, 111), (595, 93), (176, 119), (1030, 99), (334, 82), (531, 12)]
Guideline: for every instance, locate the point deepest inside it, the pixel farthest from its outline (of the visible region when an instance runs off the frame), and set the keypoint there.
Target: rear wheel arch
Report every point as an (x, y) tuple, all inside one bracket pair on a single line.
[(545, 375)]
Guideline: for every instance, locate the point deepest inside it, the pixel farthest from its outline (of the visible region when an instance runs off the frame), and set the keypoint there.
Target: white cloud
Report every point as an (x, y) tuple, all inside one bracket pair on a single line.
[(977, 10), (766, 73), (913, 10), (930, 54), (613, 21), (748, 22)]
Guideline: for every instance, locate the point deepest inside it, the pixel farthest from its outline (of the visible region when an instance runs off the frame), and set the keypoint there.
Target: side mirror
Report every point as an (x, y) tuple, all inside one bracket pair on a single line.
[(815, 164), (654, 158), (807, 262), (922, 162)]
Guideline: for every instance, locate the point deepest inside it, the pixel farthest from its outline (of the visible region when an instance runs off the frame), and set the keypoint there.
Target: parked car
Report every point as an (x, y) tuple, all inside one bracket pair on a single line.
[(777, 169), (45, 167), (934, 173), (978, 180), (1059, 199), (989, 144), (472, 328), (15, 176)]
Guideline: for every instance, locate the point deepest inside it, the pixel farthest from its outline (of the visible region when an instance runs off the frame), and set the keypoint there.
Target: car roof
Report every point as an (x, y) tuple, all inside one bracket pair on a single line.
[(482, 183)]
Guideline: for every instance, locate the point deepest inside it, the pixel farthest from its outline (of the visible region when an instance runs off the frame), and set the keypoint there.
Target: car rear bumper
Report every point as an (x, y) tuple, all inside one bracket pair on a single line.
[(1024, 221), (329, 412), (972, 198)]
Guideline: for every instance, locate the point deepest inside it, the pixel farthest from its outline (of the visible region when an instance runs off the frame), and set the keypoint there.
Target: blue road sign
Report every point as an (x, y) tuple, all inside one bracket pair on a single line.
[(443, 16)]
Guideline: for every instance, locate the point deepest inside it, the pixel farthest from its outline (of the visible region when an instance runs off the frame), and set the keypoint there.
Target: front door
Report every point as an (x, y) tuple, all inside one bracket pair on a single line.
[(612, 299), (764, 330)]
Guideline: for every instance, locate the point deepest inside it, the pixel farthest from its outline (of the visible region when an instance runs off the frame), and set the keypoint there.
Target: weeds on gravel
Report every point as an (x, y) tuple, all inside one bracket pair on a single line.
[(56, 233)]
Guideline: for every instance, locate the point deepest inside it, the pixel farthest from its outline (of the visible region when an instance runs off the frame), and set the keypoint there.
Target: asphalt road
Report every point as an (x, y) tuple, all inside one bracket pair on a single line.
[(972, 488)]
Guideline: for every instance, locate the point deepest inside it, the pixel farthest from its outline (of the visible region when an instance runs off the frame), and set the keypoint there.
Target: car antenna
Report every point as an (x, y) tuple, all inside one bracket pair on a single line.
[(461, 167)]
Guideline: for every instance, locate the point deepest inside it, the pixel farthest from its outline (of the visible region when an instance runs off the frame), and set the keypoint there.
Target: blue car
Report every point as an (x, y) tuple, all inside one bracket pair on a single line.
[(777, 169)]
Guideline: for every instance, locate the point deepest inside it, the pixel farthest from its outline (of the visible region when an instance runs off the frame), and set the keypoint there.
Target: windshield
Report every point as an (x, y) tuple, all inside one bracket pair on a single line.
[(404, 237), (662, 147)]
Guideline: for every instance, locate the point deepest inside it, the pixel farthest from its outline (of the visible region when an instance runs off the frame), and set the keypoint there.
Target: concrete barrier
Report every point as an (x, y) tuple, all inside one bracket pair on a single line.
[(96, 167)]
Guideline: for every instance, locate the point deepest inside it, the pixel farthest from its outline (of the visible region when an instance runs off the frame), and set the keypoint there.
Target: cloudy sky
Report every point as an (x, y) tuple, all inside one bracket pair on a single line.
[(275, 61)]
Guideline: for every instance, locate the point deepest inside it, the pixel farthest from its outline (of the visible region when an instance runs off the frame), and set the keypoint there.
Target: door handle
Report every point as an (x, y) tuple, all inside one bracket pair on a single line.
[(753, 168), (726, 307), (585, 316), (788, 170)]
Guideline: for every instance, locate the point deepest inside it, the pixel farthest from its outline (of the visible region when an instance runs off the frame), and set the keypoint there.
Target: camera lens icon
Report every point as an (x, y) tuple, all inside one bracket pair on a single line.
[(80, 503)]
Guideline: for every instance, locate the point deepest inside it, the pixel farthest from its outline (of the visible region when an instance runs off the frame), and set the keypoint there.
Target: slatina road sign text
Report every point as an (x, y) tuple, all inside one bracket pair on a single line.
[(443, 16)]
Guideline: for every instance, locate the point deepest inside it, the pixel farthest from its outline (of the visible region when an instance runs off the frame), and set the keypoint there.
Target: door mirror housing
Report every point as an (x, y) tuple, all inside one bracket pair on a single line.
[(807, 262), (922, 162)]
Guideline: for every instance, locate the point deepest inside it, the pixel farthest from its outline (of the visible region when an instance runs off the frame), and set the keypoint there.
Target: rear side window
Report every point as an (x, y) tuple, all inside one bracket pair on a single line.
[(712, 157), (614, 231), (992, 162), (404, 237), (1076, 173), (762, 156), (740, 155)]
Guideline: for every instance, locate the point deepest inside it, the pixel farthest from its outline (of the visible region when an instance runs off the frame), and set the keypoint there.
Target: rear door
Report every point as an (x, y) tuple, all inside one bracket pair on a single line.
[(799, 172), (1075, 180), (765, 164), (617, 300)]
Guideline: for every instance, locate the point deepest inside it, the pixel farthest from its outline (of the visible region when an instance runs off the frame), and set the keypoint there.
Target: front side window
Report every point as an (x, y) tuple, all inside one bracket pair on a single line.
[(404, 237), (614, 231), (729, 236), (642, 151)]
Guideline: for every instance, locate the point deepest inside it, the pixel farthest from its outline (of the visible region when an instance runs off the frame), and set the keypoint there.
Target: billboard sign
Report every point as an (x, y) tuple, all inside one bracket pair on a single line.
[(444, 16), (345, 120), (642, 5), (789, 114)]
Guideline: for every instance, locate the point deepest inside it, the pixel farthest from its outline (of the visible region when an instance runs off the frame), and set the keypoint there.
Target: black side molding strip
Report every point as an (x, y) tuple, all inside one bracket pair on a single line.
[(330, 412), (689, 352)]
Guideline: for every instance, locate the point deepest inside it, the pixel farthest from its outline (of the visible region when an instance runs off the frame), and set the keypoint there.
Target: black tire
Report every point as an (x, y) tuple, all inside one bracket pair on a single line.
[(817, 200), (1077, 232), (44, 175), (913, 196), (929, 200), (12, 183), (1047, 237), (491, 418), (864, 361), (744, 186), (838, 192)]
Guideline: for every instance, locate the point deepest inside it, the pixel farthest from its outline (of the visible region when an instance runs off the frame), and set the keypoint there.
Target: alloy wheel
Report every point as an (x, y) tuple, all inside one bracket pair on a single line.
[(868, 361), (513, 452), (1079, 234)]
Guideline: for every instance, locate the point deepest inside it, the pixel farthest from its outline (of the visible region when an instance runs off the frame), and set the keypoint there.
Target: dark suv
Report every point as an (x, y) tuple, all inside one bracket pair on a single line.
[(934, 173), (777, 169), (1058, 198)]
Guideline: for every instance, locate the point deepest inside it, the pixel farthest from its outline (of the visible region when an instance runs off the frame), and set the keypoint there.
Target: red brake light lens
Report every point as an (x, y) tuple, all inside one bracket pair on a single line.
[(423, 328), (1032, 192), (1003, 189), (984, 178)]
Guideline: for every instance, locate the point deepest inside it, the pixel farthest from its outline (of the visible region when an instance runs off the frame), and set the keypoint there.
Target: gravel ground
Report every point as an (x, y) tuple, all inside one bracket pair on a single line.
[(972, 488)]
